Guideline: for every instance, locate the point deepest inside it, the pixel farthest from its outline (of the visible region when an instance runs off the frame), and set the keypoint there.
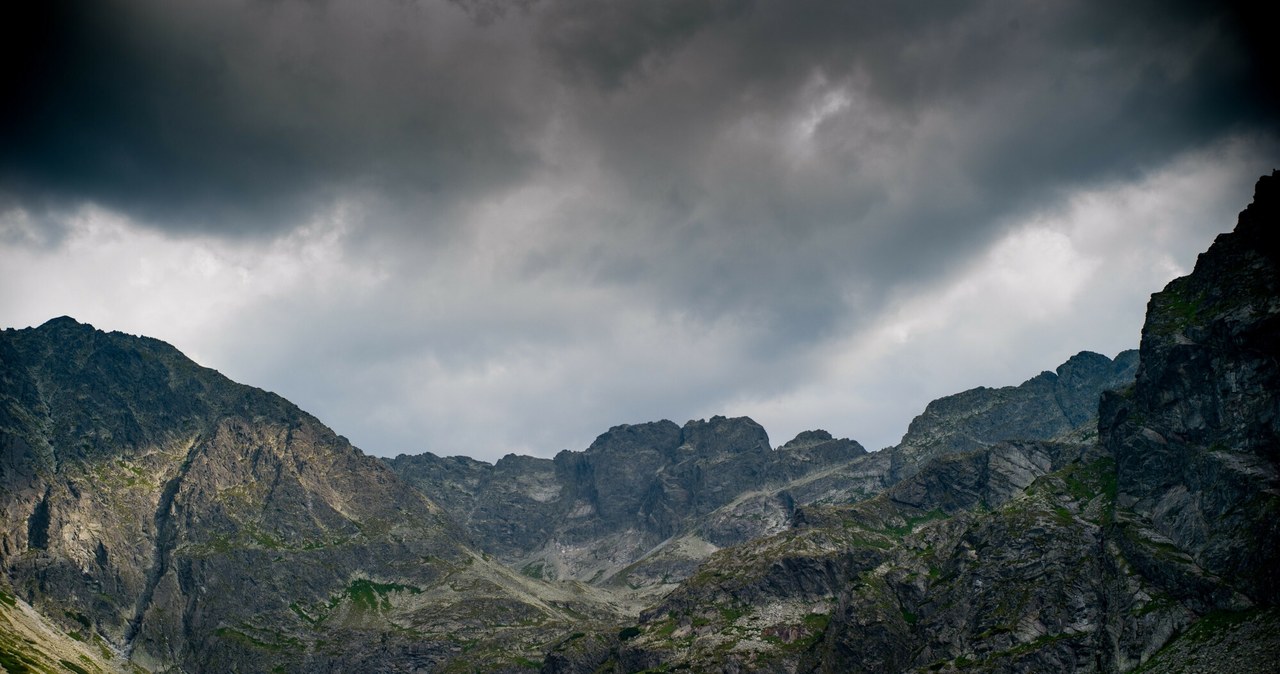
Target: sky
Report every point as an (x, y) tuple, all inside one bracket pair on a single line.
[(480, 227)]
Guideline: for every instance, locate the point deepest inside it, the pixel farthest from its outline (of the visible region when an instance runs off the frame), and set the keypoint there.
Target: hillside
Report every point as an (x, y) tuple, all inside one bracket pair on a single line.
[(169, 517)]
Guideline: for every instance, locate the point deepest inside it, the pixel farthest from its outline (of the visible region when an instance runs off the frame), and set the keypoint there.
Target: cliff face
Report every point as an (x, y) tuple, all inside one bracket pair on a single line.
[(586, 515), (176, 518), (1197, 440)]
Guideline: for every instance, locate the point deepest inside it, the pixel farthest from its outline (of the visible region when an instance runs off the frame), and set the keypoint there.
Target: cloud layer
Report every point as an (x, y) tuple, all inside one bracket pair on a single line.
[(480, 227)]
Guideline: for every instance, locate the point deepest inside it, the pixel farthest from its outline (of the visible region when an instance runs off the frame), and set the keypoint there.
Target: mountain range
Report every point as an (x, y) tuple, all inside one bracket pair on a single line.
[(1113, 515)]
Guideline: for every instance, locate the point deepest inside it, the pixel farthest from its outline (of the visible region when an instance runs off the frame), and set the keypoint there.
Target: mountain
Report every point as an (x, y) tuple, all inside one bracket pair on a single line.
[(645, 504), (1153, 547), (586, 515), (1110, 516), (1197, 439), (170, 518), (1048, 406)]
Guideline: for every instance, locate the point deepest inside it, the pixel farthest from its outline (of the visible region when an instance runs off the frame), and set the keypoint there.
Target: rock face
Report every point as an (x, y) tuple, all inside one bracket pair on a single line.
[(1048, 406), (1197, 440), (646, 503), (178, 519), (586, 515)]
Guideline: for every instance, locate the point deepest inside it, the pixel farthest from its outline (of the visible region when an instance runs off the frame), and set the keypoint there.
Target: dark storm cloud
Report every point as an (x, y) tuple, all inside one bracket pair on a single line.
[(783, 165), (964, 115), (250, 115)]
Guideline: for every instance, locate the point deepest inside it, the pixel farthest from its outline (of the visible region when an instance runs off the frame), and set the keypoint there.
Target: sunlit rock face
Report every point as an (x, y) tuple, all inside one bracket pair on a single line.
[(170, 518)]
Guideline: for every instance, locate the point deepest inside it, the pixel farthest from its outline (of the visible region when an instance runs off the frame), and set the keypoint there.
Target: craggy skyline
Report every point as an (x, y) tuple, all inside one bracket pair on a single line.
[(480, 227)]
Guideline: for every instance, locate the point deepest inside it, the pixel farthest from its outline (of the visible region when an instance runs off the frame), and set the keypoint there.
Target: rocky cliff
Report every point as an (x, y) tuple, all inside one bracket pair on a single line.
[(645, 504), (1197, 439), (1047, 406), (586, 515), (169, 517)]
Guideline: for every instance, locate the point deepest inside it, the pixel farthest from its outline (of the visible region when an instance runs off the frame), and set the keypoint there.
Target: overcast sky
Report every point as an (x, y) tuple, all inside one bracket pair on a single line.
[(484, 226)]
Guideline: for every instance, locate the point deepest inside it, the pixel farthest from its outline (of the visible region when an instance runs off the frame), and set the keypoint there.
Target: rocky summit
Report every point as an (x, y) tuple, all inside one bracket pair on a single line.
[(164, 518), (1111, 515)]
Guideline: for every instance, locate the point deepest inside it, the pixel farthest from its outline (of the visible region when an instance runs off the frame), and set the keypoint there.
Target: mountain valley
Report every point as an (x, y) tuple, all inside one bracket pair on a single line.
[(1112, 515)]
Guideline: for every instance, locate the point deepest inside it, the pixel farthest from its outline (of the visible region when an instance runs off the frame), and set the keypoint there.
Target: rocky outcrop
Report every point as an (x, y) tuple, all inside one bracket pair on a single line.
[(1197, 439), (944, 568), (1047, 406), (184, 521), (587, 515), (646, 503)]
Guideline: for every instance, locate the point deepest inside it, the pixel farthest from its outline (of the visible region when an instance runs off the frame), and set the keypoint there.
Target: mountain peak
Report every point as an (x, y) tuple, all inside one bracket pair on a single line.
[(63, 323)]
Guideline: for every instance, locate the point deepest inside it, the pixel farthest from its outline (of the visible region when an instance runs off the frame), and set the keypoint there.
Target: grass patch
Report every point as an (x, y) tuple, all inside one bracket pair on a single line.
[(817, 622), (73, 667), (667, 627), (297, 610), (372, 596), (14, 662), (1216, 622), (535, 570)]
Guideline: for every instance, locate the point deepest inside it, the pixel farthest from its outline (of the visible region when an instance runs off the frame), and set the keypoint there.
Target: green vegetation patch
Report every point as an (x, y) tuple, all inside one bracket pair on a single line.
[(817, 622), (731, 614), (372, 596), (71, 666), (535, 570), (1218, 622), (913, 522), (278, 641), (14, 662), (1087, 481)]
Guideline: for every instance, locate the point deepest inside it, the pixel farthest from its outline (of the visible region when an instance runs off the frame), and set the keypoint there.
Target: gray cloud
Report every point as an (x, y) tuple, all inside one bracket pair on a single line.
[(536, 185)]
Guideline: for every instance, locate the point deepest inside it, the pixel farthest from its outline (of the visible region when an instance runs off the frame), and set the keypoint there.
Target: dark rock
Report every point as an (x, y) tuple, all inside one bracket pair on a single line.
[(1048, 406), (1197, 439), (588, 515)]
